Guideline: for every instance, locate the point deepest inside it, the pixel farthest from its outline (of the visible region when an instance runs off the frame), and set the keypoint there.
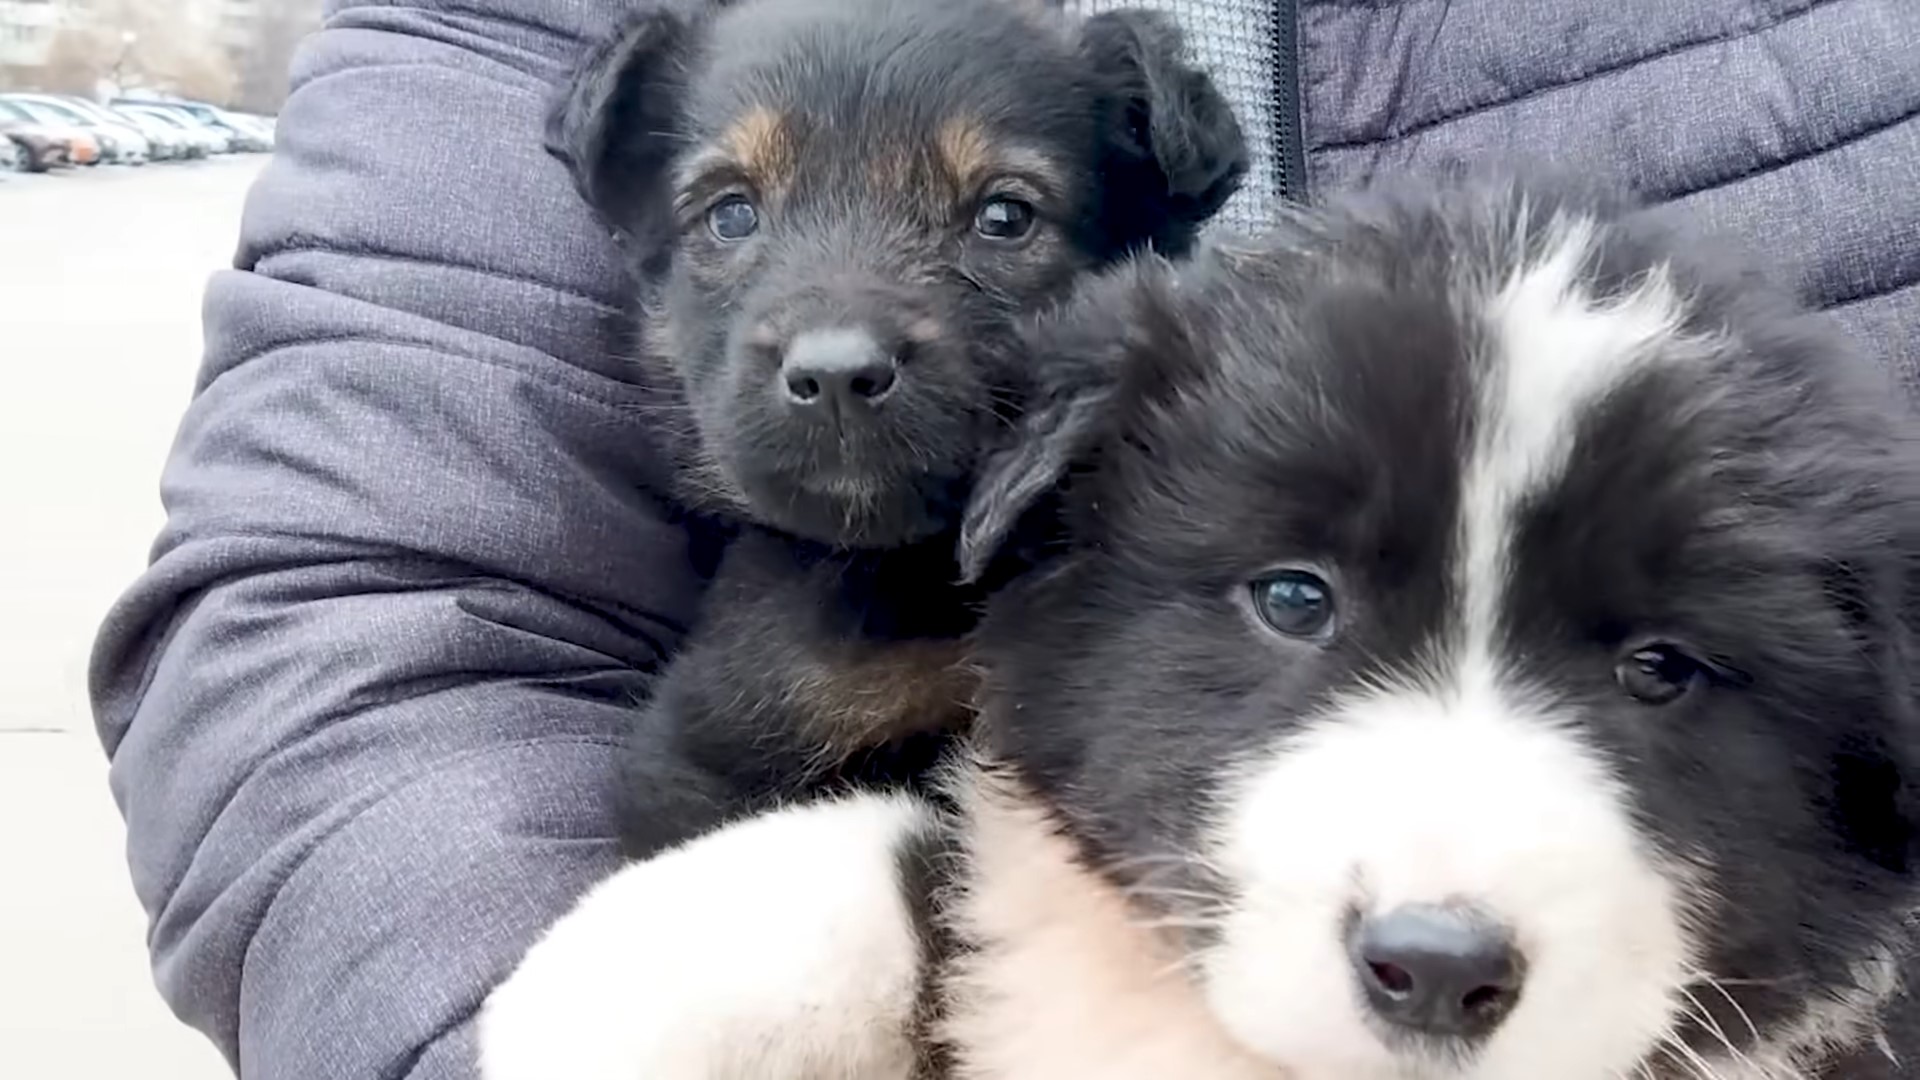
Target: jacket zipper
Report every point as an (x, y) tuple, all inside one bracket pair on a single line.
[(1289, 142)]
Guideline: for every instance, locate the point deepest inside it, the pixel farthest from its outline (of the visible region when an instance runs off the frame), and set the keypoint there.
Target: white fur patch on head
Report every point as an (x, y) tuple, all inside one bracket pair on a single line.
[(1455, 784), (1555, 352), (779, 948)]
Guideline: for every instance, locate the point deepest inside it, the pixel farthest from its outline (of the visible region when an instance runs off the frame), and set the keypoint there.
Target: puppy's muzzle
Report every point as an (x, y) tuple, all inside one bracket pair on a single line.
[(1445, 971), (843, 360), (831, 373)]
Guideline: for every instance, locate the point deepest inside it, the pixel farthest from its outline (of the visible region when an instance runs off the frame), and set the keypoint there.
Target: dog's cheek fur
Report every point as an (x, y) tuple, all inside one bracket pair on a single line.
[(1808, 885), (1060, 979), (696, 347), (1109, 658)]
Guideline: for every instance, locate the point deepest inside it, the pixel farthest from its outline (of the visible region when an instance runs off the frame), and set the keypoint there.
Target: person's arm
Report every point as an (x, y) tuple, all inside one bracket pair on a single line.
[(363, 708)]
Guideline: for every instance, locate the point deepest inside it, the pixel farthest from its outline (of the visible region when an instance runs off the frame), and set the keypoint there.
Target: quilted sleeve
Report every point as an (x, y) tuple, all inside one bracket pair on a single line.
[(361, 708)]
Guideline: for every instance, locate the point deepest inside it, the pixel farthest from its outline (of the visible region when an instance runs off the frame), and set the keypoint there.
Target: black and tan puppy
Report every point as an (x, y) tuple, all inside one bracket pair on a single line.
[(835, 210)]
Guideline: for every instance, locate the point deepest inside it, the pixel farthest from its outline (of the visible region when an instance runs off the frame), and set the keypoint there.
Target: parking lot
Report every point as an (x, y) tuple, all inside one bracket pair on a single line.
[(101, 274)]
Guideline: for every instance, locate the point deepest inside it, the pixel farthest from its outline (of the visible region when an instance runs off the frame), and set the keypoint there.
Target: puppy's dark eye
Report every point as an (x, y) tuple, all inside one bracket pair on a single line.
[(733, 218), (1658, 674), (1295, 603), (1003, 218)]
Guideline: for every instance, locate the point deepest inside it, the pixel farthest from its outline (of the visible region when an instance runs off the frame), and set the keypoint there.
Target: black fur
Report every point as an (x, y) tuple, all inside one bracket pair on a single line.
[(866, 135), (1306, 400)]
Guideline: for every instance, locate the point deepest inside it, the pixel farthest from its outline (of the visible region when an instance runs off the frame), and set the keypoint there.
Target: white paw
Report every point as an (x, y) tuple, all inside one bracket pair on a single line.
[(781, 948)]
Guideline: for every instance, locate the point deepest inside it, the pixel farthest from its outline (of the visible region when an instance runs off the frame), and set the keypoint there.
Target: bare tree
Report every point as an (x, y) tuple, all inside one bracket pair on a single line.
[(263, 60), (157, 44), (77, 58)]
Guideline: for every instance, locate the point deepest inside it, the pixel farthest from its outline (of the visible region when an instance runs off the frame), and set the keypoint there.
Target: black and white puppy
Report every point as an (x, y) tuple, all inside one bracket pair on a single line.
[(835, 211), (1468, 637)]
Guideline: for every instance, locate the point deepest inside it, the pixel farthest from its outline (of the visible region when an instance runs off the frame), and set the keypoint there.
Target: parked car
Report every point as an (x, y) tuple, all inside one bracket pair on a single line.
[(169, 143), (163, 144), (243, 139), (27, 147), (210, 140), (70, 145), (119, 144), (259, 125), (113, 124)]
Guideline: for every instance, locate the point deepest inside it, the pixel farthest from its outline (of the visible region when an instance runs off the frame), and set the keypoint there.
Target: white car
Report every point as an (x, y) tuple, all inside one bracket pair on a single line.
[(263, 126), (169, 143), (210, 140), (120, 143)]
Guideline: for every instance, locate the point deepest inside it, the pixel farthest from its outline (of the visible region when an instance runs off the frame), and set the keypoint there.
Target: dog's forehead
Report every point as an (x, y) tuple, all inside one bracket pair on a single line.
[(1314, 411), (823, 50), (1425, 400), (844, 84)]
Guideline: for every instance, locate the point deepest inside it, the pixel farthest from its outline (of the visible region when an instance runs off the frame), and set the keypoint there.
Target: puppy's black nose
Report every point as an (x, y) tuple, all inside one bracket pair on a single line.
[(1445, 971), (840, 368)]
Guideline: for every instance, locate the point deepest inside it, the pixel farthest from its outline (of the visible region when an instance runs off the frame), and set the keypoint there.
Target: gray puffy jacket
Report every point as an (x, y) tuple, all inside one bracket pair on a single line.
[(362, 708)]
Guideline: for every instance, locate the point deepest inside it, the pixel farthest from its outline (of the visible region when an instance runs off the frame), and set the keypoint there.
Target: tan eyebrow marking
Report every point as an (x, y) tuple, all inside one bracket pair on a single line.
[(970, 156), (966, 151), (761, 144)]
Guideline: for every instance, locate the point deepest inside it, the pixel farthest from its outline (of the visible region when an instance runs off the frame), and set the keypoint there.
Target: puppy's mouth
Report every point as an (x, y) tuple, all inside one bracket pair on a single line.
[(857, 509), (857, 489)]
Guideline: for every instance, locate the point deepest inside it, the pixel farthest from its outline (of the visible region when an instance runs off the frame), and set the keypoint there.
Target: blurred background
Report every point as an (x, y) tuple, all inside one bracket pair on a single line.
[(231, 53), (130, 133)]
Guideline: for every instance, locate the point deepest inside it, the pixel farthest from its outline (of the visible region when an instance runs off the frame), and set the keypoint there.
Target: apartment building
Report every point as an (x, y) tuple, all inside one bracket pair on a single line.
[(27, 29)]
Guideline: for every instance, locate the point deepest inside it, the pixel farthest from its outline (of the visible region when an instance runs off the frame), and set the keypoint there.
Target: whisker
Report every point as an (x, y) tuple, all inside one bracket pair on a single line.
[(1720, 988), (1165, 892), (1691, 1057), (1700, 1014)]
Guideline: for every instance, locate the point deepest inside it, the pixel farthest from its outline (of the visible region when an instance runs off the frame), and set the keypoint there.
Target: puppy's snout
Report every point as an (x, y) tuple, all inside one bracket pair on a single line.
[(1445, 971), (839, 369)]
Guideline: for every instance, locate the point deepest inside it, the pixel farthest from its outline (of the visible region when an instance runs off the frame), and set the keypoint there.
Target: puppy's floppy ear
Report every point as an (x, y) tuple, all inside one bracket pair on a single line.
[(1087, 360), (1054, 433), (1876, 780), (613, 123), (1174, 153)]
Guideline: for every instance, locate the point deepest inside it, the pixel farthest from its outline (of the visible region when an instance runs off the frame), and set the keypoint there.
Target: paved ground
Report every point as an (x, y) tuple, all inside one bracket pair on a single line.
[(99, 338)]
